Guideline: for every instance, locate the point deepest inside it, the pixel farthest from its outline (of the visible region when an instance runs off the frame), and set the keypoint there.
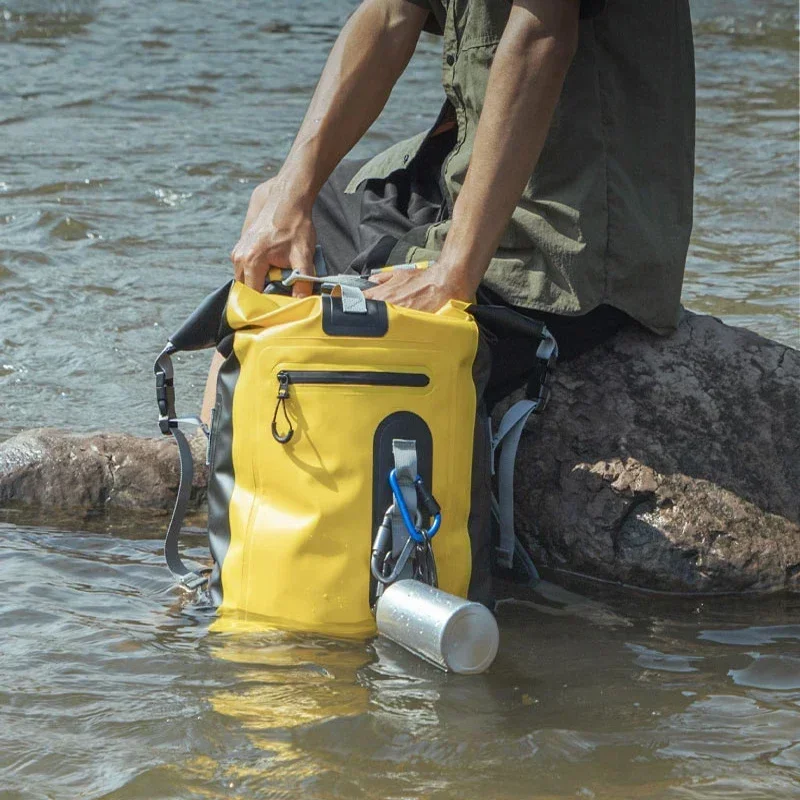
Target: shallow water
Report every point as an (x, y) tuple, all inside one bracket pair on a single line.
[(112, 687), (132, 134)]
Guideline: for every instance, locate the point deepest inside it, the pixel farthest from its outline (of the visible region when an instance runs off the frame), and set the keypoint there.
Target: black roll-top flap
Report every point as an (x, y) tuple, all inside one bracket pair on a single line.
[(504, 322), (206, 325)]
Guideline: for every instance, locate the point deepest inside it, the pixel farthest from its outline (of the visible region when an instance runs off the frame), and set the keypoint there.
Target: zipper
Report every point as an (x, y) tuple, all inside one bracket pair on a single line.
[(321, 377), (352, 378)]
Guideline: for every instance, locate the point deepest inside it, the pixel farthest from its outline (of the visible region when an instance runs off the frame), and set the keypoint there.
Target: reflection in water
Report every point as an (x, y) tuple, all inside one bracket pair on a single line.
[(752, 636), (652, 659), (769, 672), (288, 681)]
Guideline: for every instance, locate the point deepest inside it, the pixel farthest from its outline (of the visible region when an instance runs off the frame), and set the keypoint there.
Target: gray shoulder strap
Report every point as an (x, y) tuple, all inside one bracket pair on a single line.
[(185, 576), (507, 440), (169, 423)]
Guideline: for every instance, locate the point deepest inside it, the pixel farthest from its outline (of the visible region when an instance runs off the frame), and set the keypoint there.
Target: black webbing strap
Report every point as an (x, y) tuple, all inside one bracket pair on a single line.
[(169, 423), (185, 576)]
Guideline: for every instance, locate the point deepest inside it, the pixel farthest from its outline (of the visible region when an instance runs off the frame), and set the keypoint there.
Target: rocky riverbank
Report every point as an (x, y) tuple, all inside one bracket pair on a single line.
[(669, 464)]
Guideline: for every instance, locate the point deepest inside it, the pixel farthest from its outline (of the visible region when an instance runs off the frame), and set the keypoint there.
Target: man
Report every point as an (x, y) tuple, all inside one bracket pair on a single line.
[(557, 179)]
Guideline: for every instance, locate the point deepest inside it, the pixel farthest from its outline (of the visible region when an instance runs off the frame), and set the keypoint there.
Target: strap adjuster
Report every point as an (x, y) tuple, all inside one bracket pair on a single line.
[(194, 580), (165, 390), (538, 389)]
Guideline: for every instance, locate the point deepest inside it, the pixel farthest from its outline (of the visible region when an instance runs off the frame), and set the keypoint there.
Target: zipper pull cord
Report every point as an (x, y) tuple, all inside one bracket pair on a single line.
[(283, 396)]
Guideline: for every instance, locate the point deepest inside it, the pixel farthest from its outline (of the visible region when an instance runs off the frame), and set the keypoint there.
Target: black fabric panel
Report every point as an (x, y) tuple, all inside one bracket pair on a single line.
[(480, 512), (514, 346), (400, 425), (513, 339), (221, 480), (337, 322), (592, 8), (201, 329), (574, 334), (501, 321), (358, 231)]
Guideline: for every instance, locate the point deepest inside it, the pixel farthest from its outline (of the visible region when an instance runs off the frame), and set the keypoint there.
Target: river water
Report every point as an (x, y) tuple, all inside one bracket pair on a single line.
[(131, 135), (112, 688)]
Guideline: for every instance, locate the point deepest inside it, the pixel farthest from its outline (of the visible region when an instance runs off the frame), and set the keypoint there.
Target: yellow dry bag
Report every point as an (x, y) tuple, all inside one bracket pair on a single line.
[(349, 447)]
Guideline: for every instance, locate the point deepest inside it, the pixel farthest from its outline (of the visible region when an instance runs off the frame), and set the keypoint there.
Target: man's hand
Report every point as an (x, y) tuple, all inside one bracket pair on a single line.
[(420, 289), (277, 232), (368, 57)]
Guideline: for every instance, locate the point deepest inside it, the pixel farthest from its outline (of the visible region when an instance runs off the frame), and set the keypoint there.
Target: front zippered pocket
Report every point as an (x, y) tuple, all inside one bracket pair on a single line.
[(322, 377), (352, 377)]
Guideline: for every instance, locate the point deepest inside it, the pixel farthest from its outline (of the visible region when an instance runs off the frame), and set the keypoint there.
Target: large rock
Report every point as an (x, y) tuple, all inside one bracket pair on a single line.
[(95, 472), (668, 464)]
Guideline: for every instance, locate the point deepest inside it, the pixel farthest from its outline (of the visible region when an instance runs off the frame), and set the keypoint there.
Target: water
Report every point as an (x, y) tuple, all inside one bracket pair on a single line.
[(112, 688), (131, 135)]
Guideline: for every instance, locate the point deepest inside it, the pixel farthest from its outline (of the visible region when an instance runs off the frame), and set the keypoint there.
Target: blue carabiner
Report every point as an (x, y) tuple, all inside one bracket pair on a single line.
[(417, 535), (404, 512)]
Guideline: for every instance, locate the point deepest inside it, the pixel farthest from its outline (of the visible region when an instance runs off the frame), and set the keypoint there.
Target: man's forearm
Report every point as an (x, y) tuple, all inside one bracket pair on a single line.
[(525, 82), (368, 57)]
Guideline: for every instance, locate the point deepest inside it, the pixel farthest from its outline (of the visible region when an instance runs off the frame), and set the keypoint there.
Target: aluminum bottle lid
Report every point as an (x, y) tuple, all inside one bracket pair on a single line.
[(470, 639)]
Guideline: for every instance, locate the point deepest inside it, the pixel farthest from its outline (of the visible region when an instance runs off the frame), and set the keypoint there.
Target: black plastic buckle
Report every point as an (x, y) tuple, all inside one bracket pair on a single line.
[(165, 397), (538, 388)]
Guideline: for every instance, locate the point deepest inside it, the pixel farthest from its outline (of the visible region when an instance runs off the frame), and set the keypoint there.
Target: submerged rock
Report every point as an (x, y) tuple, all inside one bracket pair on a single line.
[(668, 464)]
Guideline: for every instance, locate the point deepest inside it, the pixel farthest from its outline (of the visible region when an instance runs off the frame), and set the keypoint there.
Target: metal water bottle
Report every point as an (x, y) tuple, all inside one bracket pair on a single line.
[(451, 633)]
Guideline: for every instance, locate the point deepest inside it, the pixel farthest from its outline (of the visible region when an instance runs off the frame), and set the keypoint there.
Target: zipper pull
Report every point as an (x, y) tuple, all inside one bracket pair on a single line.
[(283, 396)]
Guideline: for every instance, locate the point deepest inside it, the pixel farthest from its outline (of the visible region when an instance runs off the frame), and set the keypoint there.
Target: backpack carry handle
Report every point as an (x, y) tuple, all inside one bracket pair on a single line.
[(350, 288)]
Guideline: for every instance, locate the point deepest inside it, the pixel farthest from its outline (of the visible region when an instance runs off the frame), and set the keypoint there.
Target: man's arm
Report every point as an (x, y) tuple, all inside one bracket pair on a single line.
[(525, 82), (368, 57)]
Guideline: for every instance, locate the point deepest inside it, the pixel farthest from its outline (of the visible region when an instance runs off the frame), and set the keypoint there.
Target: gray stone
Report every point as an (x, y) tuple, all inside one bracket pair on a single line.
[(668, 464), (46, 467)]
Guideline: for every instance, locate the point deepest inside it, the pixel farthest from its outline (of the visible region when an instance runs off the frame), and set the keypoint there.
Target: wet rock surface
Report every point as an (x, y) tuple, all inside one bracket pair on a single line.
[(668, 464), (95, 472)]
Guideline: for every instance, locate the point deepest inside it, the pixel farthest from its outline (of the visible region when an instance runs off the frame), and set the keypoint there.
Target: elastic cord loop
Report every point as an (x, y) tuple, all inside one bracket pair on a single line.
[(282, 438)]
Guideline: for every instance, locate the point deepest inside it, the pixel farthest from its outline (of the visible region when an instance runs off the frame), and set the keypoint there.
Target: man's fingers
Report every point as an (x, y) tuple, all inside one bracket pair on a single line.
[(255, 276), (302, 258), (379, 279)]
